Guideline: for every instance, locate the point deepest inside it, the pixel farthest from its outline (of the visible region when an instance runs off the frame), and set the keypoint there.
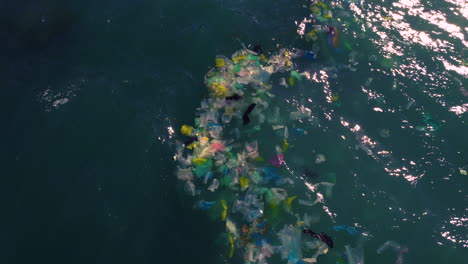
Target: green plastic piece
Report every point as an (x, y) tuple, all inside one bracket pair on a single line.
[(226, 181), (239, 86), (202, 169), (252, 57), (296, 75), (215, 79), (236, 68)]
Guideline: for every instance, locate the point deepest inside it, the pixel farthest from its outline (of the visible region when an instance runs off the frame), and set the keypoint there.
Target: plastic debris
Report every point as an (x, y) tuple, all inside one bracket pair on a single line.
[(322, 236), (203, 167), (320, 158), (205, 205), (231, 227), (430, 122), (231, 245), (234, 97), (303, 112), (245, 116), (214, 185), (350, 229), (224, 212), (186, 130), (190, 188), (190, 140), (397, 248), (244, 183), (277, 160), (463, 172), (385, 133), (184, 174), (298, 132), (221, 158), (288, 202), (310, 55), (282, 82), (290, 248), (284, 146), (252, 149), (355, 255)]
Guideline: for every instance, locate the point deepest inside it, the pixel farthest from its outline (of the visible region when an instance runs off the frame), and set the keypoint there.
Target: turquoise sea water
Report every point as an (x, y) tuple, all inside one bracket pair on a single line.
[(91, 93)]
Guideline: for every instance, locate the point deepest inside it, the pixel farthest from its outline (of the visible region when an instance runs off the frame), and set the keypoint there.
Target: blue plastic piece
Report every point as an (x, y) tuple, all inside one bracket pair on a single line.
[(350, 229), (262, 225), (297, 131), (205, 205), (292, 257), (213, 125), (310, 55), (269, 174)]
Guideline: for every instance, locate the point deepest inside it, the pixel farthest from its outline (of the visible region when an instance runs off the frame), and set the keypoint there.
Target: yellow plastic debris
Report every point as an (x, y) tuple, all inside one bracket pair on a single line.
[(335, 98), (291, 81), (219, 62), (186, 130), (290, 200), (285, 145), (231, 245), (219, 90), (238, 58), (263, 58), (273, 205), (323, 5), (224, 212), (312, 35), (244, 183), (259, 159), (199, 161), (191, 146)]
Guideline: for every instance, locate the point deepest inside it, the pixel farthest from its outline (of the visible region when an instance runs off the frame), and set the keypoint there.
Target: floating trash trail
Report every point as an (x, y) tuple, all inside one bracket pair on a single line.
[(220, 158)]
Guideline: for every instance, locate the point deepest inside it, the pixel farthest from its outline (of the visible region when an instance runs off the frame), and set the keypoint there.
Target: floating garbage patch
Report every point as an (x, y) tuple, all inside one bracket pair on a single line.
[(220, 161), (240, 176)]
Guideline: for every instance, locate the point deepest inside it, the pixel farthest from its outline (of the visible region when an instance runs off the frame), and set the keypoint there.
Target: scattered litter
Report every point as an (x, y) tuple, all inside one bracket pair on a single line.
[(385, 133), (277, 160), (219, 159), (214, 185), (396, 248), (320, 158), (350, 229), (322, 236), (355, 255)]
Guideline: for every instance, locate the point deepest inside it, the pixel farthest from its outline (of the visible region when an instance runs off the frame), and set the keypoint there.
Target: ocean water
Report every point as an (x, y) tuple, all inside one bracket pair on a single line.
[(93, 90)]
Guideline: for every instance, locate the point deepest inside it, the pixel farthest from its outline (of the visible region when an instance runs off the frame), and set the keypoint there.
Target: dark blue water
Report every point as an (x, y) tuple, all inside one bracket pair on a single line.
[(90, 89)]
